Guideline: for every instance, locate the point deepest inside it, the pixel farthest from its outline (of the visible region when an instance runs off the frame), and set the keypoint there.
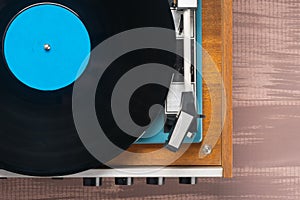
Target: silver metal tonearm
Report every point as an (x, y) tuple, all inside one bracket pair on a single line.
[(181, 104), (186, 124)]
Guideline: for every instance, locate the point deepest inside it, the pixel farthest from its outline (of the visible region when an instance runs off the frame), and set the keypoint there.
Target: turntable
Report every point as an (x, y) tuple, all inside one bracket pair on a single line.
[(96, 89)]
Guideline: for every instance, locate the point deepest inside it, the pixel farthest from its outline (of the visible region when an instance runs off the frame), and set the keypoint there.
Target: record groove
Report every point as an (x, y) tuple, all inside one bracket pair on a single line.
[(37, 132)]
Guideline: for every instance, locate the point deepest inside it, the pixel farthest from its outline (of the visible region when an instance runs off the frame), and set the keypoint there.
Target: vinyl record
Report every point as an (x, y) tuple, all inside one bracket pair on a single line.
[(41, 47)]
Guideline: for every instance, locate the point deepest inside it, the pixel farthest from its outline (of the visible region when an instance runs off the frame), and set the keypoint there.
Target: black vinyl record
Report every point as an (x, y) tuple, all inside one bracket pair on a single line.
[(37, 132)]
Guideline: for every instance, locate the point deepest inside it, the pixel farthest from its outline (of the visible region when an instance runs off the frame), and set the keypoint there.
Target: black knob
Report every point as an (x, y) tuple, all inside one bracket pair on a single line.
[(91, 182), (156, 181), (124, 181), (188, 180)]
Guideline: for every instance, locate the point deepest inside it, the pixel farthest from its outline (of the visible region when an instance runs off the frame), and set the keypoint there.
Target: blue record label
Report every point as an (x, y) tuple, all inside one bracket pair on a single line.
[(47, 47)]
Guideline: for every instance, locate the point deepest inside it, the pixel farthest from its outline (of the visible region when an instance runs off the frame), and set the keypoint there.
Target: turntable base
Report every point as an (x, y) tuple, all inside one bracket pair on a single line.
[(217, 42)]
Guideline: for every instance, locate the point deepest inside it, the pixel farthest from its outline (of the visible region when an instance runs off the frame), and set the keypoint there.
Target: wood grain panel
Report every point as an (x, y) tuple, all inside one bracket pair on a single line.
[(227, 153)]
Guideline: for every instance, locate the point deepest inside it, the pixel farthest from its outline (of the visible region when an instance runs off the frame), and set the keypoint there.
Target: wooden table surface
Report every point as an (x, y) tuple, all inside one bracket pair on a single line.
[(266, 99)]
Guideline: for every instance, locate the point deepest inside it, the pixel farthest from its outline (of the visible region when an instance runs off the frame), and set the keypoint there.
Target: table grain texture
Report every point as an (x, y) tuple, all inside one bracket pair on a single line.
[(266, 110)]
